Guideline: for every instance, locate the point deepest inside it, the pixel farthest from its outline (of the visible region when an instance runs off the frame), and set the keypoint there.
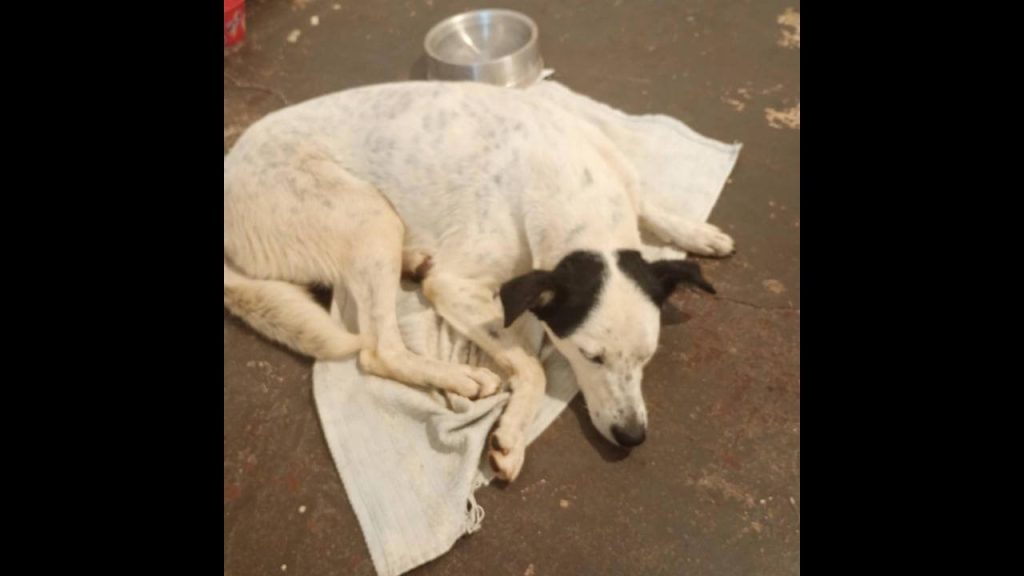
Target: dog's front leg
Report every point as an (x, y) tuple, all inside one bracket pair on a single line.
[(507, 446), (471, 308)]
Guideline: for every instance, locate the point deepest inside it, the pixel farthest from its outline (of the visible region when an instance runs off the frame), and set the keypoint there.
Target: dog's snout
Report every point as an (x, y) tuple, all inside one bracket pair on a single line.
[(629, 436)]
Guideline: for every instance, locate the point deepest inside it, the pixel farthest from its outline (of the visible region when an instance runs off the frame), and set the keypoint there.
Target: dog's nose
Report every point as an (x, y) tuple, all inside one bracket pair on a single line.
[(631, 436)]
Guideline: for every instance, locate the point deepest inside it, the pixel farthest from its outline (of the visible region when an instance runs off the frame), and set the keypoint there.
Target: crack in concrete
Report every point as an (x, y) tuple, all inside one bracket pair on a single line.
[(257, 88), (758, 307)]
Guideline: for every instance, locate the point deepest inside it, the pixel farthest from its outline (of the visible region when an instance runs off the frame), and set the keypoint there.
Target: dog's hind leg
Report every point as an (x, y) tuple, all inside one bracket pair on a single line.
[(287, 313), (472, 309), (315, 223), (690, 235), (372, 273)]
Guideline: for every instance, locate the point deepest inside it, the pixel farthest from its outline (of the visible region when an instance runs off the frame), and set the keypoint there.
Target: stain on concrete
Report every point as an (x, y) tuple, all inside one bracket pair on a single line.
[(790, 22), (785, 118)]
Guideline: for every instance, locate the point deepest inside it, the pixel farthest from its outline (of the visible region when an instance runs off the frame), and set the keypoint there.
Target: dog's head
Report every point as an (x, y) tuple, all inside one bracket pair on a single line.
[(602, 312)]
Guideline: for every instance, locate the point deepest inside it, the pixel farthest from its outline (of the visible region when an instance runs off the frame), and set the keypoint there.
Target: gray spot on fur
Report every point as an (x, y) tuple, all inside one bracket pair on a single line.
[(616, 216), (588, 178), (442, 119), (575, 232), (381, 145)]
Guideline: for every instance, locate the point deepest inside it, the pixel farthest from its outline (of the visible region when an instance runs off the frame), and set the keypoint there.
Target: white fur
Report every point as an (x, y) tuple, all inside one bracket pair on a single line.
[(488, 183)]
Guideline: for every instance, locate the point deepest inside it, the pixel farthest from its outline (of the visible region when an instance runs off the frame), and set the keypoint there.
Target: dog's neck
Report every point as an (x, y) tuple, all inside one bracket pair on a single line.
[(591, 208), (568, 233)]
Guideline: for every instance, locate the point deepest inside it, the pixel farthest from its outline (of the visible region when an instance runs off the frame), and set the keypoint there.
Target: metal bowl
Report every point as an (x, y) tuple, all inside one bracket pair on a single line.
[(493, 46)]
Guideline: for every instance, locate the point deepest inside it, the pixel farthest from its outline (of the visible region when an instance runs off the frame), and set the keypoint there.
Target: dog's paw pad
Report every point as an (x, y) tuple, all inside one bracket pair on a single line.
[(507, 466), (489, 383), (506, 438), (507, 452), (474, 382)]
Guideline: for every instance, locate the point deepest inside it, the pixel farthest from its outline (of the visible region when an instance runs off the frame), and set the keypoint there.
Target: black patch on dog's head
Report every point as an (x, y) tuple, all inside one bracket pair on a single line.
[(659, 279), (561, 298)]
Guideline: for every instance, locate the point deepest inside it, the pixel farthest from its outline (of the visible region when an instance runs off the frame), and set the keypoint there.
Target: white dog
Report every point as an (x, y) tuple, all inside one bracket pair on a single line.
[(502, 203)]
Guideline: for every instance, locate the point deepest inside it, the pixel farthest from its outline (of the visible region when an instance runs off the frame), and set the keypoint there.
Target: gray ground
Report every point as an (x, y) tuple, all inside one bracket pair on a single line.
[(716, 487)]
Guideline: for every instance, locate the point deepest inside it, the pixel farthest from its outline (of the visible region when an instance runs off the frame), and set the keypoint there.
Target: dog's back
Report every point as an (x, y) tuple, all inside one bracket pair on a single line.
[(466, 166)]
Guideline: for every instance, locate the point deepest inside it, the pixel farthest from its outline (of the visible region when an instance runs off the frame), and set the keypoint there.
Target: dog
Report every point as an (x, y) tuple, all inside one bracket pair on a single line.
[(500, 203)]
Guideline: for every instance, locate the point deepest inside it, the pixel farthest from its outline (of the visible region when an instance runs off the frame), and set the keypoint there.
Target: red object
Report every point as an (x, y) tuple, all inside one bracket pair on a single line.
[(234, 22)]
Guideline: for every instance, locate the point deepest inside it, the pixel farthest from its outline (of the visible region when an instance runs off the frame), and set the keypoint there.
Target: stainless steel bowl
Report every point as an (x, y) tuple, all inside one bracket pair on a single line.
[(494, 46)]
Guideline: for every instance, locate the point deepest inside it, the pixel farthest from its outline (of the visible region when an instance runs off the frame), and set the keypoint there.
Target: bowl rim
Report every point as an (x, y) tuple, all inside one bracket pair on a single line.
[(436, 29)]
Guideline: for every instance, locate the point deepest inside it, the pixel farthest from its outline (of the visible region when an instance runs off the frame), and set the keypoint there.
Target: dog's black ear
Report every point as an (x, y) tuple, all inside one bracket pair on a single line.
[(674, 272), (524, 293)]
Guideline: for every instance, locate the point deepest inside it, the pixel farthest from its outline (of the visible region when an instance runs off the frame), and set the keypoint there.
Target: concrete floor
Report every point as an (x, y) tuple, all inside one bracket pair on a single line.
[(716, 487)]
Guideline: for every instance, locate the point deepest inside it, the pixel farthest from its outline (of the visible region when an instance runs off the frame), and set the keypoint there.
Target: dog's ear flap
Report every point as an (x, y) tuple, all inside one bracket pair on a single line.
[(674, 272), (526, 292)]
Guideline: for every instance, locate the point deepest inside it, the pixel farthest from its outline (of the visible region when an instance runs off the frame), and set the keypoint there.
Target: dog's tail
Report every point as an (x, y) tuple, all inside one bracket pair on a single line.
[(287, 314)]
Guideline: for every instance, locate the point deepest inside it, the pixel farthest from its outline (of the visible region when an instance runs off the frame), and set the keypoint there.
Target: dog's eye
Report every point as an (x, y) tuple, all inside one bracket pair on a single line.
[(595, 358)]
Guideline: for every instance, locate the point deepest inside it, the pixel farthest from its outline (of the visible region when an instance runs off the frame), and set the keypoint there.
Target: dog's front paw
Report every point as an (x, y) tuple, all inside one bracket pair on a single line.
[(507, 451), (709, 240), (475, 382)]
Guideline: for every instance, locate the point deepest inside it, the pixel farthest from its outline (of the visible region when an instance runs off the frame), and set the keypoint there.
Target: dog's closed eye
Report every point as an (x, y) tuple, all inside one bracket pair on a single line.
[(595, 358)]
